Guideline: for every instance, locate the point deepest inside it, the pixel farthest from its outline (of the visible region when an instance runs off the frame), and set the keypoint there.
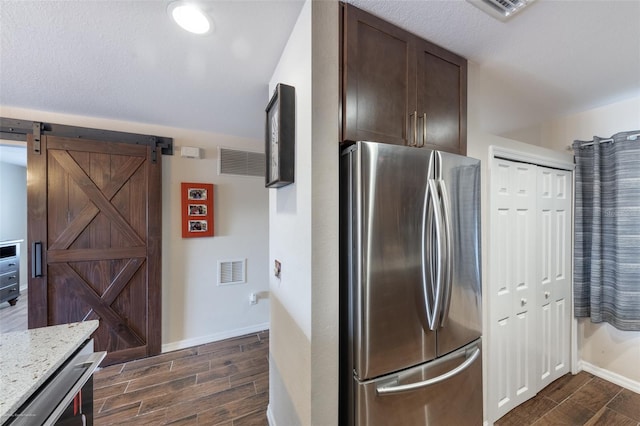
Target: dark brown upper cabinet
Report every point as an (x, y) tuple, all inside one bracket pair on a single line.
[(400, 89)]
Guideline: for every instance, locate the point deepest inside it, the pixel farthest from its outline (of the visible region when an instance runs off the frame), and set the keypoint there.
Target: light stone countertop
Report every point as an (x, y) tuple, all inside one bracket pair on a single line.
[(28, 358)]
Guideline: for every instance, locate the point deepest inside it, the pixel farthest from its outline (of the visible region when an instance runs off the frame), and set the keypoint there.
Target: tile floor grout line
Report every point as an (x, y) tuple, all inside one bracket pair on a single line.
[(623, 414), (614, 397), (577, 389), (102, 405), (544, 415), (604, 407), (596, 416), (581, 405)]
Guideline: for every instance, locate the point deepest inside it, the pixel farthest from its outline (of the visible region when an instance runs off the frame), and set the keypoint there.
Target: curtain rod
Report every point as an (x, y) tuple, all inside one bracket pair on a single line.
[(632, 137)]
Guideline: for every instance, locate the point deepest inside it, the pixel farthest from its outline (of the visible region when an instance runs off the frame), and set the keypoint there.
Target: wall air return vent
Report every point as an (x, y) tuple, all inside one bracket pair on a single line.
[(240, 163), (501, 9), (232, 272)]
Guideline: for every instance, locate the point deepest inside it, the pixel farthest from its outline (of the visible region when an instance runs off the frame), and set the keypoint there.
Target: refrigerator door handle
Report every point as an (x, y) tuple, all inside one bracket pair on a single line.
[(439, 260), (432, 296), (448, 258), (388, 388)]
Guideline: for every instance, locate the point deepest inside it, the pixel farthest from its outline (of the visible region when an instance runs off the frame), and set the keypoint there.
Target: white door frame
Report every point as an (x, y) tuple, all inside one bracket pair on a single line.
[(526, 157)]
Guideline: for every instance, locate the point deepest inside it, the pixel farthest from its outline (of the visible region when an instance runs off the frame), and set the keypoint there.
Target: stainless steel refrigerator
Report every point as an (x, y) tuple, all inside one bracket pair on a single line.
[(411, 308)]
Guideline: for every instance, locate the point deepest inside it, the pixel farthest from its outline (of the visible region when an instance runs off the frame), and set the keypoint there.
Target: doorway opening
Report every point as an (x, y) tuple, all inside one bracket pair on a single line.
[(13, 235)]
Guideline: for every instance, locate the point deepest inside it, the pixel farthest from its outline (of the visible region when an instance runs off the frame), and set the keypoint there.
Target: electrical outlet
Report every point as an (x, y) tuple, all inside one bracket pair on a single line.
[(277, 268), (253, 299)]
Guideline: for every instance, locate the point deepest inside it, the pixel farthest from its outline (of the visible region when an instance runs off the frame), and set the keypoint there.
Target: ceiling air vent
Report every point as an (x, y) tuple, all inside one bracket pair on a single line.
[(232, 271), (240, 163), (501, 9)]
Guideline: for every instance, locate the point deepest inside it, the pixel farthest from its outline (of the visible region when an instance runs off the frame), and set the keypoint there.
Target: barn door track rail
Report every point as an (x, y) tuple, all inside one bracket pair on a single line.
[(17, 130)]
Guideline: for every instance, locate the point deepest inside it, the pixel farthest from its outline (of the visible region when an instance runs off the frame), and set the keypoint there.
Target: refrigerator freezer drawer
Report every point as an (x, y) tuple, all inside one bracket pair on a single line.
[(446, 391)]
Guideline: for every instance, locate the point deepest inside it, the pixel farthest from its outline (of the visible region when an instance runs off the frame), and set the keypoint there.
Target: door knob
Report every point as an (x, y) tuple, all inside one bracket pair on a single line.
[(523, 301)]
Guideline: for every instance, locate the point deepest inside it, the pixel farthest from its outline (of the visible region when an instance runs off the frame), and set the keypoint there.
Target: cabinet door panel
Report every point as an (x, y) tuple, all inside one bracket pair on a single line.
[(379, 93), (442, 98)]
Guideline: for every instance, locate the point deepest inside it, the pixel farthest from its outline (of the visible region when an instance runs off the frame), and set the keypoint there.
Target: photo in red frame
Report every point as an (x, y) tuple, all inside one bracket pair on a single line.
[(197, 209)]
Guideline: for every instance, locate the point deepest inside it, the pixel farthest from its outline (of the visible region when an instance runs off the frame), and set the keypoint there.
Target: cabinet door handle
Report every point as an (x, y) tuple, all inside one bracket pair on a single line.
[(523, 301), (413, 128), (424, 129), (547, 294)]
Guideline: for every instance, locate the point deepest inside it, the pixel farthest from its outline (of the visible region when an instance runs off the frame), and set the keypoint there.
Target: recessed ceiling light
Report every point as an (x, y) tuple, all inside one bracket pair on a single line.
[(190, 17)]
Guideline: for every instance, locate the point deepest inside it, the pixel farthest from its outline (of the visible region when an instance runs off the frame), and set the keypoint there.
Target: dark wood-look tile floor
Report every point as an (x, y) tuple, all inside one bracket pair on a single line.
[(582, 399), (227, 383), (222, 383)]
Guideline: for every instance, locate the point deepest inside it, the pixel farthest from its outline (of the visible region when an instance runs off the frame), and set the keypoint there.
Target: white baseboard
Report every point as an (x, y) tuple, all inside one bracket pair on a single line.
[(201, 340), (610, 376), (270, 419)]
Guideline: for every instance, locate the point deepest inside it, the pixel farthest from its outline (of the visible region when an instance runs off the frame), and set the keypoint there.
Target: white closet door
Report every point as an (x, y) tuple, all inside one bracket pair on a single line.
[(512, 292), (554, 273)]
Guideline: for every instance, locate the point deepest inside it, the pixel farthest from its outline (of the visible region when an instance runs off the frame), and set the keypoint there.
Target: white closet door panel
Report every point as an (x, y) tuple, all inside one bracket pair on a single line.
[(562, 285), (546, 343), (503, 392), (511, 332), (561, 343), (501, 380), (554, 277), (523, 357), (502, 290), (546, 274)]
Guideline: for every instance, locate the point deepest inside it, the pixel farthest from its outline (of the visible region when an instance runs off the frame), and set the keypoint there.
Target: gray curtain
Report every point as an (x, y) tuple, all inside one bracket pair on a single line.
[(607, 231)]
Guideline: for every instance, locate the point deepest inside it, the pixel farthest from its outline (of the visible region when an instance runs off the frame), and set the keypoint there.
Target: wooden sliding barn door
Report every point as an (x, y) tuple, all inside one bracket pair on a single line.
[(95, 209)]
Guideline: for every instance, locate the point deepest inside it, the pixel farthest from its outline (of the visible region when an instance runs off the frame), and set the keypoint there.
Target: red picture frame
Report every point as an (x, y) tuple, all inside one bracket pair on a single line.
[(197, 209)]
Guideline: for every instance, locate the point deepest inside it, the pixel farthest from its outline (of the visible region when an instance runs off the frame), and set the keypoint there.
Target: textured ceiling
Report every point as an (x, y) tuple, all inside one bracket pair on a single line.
[(126, 60)]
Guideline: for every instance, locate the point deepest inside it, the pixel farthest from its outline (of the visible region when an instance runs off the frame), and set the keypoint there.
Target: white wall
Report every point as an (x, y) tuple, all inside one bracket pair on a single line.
[(603, 121), (603, 349), (13, 211), (290, 206), (290, 243), (13, 201), (531, 135), (303, 226), (194, 309)]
